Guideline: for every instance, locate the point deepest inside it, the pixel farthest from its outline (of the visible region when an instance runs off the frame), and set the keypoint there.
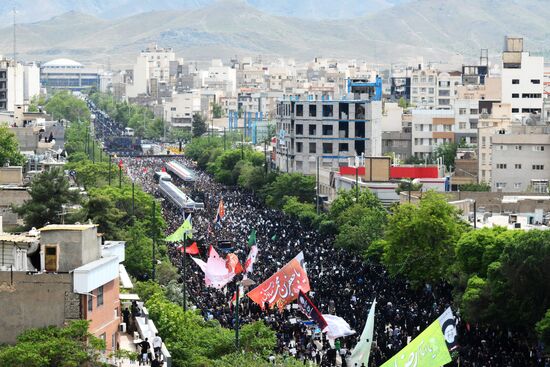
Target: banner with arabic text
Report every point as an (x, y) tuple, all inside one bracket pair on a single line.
[(282, 287), (426, 350)]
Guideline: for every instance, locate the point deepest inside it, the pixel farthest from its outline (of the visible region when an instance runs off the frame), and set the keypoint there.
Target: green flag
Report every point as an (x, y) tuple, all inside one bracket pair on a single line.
[(427, 350), (252, 238), (178, 234)]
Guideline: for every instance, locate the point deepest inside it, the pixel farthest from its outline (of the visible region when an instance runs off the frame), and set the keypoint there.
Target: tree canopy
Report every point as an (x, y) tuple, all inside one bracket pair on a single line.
[(199, 126), (69, 346), (49, 191), (420, 239), (9, 148)]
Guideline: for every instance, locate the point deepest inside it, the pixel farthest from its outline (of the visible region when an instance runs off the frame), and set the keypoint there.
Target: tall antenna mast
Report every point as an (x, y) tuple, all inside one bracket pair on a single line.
[(14, 64)]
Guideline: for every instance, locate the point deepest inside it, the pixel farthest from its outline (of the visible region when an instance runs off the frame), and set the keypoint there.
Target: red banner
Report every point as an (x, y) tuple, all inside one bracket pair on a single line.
[(282, 287)]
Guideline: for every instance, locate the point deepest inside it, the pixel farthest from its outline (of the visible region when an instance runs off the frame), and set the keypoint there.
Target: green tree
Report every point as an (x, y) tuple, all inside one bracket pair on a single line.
[(290, 184), (359, 226), (67, 106), (543, 329), (9, 148), (447, 151), (482, 186), (419, 240), (305, 212), (217, 110), (199, 127), (49, 192), (516, 291), (69, 346), (403, 103)]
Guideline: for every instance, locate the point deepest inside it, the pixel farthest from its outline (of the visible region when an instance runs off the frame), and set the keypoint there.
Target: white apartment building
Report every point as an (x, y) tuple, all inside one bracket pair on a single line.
[(152, 63), (522, 79), (180, 108), (19, 83), (432, 89), (220, 77)]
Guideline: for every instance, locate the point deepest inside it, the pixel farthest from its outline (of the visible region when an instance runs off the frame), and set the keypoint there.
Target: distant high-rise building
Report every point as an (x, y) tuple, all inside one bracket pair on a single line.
[(66, 74)]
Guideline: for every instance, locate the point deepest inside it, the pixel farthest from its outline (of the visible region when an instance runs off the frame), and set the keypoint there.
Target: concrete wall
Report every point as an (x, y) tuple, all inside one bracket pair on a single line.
[(35, 300), (11, 175)]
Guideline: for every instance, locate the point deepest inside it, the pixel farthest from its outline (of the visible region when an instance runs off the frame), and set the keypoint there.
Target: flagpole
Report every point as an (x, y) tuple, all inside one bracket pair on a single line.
[(154, 237), (184, 273), (237, 317)]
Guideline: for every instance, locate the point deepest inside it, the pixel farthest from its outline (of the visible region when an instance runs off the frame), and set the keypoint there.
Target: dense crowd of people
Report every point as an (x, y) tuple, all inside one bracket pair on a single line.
[(341, 283)]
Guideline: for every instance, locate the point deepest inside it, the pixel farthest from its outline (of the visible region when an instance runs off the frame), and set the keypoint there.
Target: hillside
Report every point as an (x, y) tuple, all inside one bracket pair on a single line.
[(426, 28)]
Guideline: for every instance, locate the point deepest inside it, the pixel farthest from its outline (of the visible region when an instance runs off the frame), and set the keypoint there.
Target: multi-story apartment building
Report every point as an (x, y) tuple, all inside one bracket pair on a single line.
[(154, 66), (19, 83), (66, 274), (432, 89), (497, 121), (330, 131), (520, 159), (522, 79), (66, 74), (429, 129), (424, 88)]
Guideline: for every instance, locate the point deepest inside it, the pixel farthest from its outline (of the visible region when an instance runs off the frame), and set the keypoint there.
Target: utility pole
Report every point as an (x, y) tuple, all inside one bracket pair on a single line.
[(317, 200), (133, 204), (265, 152), (153, 225), (237, 317), (357, 184), (242, 145), (184, 266)]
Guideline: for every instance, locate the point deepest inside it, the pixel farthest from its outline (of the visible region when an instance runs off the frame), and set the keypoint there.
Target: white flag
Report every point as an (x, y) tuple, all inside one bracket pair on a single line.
[(361, 352), (337, 327)]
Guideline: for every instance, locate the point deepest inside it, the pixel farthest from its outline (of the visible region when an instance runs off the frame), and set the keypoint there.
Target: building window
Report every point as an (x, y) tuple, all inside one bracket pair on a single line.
[(312, 130), (474, 111), (501, 165), (313, 147), (515, 110), (312, 110), (299, 129), (100, 296), (343, 147), (517, 147), (535, 81), (299, 110), (501, 185), (299, 147), (327, 130), (538, 148), (517, 185), (462, 111), (515, 81), (327, 110), (517, 166), (90, 302), (515, 95), (327, 148), (538, 167)]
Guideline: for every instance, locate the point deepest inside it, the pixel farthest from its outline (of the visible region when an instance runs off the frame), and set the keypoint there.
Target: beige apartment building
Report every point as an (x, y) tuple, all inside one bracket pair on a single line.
[(488, 126)]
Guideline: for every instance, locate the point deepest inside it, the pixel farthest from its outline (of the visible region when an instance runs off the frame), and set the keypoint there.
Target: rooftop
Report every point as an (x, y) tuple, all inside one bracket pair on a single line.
[(62, 63), (67, 227)]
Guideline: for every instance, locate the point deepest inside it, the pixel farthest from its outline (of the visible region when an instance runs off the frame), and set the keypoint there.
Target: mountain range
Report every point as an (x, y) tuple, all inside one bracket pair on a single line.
[(401, 31)]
